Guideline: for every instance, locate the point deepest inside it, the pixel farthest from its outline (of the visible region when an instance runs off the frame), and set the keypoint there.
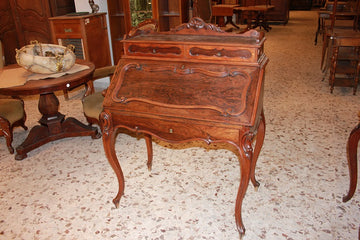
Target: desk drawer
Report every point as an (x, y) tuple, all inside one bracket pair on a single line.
[(154, 50), (176, 129), (221, 53), (67, 30)]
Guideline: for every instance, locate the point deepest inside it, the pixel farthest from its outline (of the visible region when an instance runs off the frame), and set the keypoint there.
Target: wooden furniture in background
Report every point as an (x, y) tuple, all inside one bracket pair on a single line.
[(119, 24), (345, 60), (22, 21), (342, 20), (280, 13), (88, 33), (352, 145), (196, 82), (53, 125), (168, 13), (202, 9), (219, 11), (256, 16)]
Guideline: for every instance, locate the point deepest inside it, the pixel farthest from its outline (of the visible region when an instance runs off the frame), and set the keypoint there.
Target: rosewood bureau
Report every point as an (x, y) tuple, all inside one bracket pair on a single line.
[(194, 82)]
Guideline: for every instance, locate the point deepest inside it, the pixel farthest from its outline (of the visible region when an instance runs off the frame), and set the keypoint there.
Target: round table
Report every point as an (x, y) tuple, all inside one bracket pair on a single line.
[(53, 125)]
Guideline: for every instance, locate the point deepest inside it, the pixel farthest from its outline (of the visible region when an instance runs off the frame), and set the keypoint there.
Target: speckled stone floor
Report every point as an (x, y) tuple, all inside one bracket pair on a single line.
[(64, 189)]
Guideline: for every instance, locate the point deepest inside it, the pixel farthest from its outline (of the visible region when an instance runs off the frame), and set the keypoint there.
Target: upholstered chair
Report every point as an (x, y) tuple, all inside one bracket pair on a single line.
[(92, 107), (12, 114), (92, 104)]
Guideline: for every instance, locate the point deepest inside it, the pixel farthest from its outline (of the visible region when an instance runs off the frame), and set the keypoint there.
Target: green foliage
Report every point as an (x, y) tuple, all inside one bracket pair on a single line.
[(140, 11)]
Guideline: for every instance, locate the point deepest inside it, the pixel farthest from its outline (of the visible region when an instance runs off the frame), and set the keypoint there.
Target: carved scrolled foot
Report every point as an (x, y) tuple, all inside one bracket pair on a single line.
[(116, 202), (149, 166), (241, 232), (20, 157), (149, 151), (11, 149), (256, 186)]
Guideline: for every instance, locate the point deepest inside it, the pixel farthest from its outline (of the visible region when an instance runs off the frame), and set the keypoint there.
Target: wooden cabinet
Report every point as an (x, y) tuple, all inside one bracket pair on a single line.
[(120, 24), (88, 33), (279, 13), (168, 13), (22, 21), (195, 82)]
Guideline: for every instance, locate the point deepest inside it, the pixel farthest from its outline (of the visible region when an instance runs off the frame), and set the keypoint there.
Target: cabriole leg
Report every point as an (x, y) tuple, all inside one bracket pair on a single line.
[(109, 138)]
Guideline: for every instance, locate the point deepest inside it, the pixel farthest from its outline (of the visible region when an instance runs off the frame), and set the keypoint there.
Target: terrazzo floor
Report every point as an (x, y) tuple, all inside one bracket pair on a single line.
[(64, 189)]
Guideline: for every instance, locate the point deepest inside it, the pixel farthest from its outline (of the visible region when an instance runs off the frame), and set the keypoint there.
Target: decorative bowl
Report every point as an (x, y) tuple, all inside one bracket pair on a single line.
[(46, 58)]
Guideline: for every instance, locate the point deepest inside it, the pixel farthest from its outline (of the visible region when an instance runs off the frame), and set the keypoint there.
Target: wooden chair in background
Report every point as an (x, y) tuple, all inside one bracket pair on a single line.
[(225, 9), (324, 15), (12, 113), (345, 60), (92, 104), (343, 20)]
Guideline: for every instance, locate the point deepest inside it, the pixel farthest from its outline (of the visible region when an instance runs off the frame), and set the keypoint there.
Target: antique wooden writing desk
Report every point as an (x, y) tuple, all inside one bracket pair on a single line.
[(194, 82)]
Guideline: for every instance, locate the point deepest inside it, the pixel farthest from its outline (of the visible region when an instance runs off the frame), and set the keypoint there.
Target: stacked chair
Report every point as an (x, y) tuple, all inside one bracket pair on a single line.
[(341, 43)]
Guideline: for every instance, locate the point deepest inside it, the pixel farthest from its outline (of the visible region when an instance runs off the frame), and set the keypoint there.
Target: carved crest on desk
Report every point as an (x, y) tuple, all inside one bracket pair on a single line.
[(197, 24)]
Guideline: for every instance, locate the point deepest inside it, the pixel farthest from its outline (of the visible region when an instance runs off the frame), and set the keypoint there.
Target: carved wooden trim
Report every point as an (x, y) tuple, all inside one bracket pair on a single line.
[(196, 24), (105, 122)]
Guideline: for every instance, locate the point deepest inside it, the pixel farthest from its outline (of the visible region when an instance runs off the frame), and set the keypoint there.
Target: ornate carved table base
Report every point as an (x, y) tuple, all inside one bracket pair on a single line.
[(247, 160), (53, 126)]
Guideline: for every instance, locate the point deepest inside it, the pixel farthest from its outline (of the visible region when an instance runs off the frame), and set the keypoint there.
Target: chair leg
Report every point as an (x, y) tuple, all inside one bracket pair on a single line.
[(323, 54), (356, 81), (7, 132), (66, 94), (333, 68)]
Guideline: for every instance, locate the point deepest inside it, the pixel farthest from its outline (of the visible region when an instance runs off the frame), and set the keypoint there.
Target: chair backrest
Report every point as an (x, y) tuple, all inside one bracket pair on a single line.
[(347, 39), (345, 11)]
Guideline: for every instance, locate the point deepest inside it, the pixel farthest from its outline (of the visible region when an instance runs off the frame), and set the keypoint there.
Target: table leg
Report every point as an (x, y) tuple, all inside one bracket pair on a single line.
[(109, 139), (245, 159), (258, 145), (53, 126), (352, 145), (149, 148), (220, 21)]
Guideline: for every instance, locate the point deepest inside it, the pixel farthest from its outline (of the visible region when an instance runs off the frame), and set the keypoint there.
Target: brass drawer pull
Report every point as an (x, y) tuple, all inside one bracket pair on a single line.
[(68, 30)]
